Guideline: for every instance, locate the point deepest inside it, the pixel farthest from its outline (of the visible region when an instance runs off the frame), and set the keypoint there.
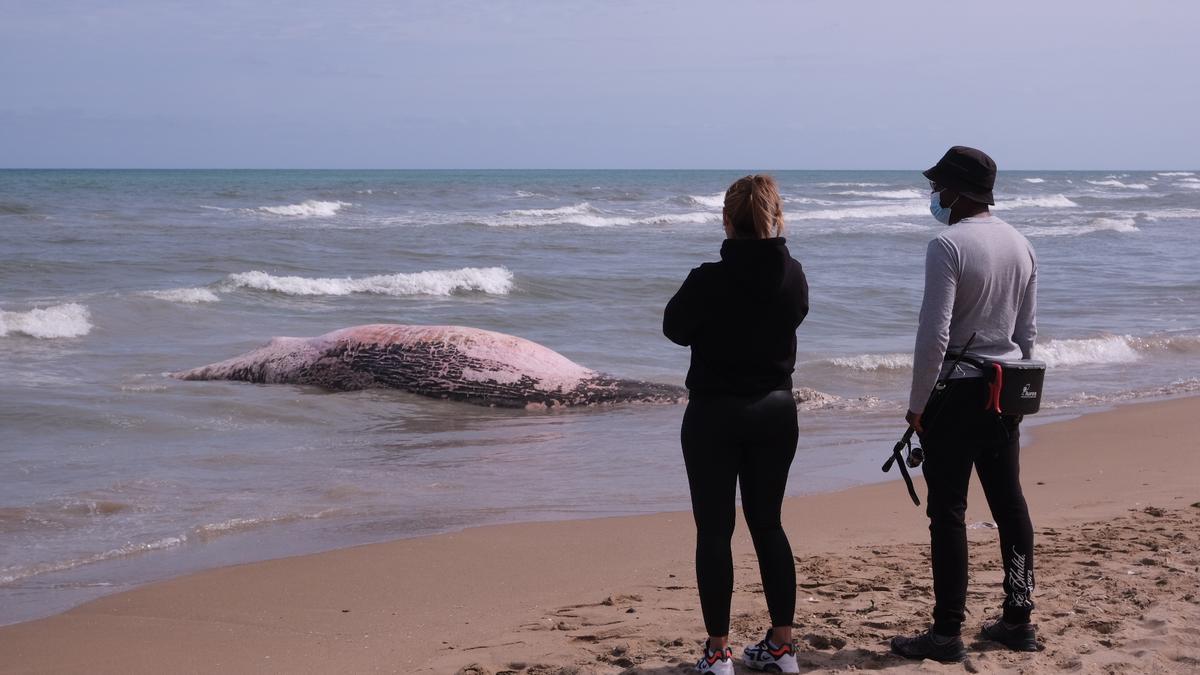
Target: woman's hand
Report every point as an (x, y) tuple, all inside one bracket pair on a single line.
[(914, 421)]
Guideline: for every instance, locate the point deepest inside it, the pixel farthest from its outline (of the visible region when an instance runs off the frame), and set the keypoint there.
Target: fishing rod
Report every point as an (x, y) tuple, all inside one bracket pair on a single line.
[(914, 456)]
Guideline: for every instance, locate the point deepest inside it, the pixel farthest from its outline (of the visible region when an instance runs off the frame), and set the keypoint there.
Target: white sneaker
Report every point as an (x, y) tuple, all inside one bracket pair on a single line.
[(773, 658), (718, 662)]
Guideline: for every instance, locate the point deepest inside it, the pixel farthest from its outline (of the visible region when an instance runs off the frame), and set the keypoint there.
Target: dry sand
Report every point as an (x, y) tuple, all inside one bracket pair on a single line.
[(1115, 497)]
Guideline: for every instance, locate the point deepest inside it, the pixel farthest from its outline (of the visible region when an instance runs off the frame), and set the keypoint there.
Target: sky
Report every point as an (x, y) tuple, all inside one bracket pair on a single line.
[(847, 84)]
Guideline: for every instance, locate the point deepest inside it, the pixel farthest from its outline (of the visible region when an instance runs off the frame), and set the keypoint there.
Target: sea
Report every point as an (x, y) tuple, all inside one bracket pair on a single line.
[(112, 474)]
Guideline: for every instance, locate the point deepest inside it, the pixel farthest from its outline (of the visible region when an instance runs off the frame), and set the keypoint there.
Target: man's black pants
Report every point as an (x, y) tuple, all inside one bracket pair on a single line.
[(958, 434)]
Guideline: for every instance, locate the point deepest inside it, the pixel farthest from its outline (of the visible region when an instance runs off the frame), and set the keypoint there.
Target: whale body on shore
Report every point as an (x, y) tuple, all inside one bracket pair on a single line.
[(448, 362)]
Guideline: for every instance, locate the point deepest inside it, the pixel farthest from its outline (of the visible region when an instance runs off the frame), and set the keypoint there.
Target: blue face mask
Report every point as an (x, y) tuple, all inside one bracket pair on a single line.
[(941, 213)]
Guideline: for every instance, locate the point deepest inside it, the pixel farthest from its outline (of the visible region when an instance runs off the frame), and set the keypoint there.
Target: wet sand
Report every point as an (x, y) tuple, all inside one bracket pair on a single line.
[(1115, 498)]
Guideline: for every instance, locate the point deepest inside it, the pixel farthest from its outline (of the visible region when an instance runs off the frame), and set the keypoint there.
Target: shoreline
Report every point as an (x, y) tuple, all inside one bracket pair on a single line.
[(75, 585), (487, 594)]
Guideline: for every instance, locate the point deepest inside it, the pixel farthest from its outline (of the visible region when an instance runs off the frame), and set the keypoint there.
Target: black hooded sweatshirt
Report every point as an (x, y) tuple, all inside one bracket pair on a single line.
[(739, 316)]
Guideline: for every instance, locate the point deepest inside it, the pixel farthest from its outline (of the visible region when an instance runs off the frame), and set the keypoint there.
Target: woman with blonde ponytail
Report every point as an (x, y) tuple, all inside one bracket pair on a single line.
[(739, 316)]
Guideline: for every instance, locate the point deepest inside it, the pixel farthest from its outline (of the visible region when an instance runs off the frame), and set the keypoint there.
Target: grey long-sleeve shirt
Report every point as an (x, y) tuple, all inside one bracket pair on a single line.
[(980, 277)]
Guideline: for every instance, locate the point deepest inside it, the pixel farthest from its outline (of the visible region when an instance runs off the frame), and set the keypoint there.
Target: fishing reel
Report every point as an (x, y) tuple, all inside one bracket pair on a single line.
[(914, 456), (911, 457)]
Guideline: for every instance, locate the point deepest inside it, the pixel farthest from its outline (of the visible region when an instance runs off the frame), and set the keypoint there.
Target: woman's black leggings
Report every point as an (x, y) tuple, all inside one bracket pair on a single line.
[(751, 439)]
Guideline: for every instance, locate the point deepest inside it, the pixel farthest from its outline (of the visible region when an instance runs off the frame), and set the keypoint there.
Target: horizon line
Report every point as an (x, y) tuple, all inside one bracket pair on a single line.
[(261, 168)]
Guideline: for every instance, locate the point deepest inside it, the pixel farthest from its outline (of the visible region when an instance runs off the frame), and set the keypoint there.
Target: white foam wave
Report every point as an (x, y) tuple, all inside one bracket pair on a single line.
[(716, 201), (872, 362), (1048, 202), (851, 184), (1088, 351), (1112, 182), (60, 321), (1124, 225), (1176, 388), (1035, 180), (237, 525), (882, 211), (1189, 183), (10, 574), (1057, 353), (886, 194), (586, 215), (491, 280), (1171, 213), (1177, 173), (810, 399), (185, 295), (574, 210), (787, 199), (310, 208)]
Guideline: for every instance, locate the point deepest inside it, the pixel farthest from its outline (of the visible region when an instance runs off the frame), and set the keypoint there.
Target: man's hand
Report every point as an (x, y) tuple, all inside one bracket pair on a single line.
[(914, 421)]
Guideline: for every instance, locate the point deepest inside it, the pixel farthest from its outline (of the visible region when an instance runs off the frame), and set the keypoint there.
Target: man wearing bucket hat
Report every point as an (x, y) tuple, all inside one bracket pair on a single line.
[(980, 280)]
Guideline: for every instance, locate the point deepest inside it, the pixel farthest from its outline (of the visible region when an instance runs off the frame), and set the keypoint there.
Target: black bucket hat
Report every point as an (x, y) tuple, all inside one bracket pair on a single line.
[(967, 171)]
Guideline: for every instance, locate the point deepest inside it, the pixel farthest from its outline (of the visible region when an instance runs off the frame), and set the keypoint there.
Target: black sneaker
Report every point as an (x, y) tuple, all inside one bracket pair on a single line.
[(1019, 638), (929, 645)]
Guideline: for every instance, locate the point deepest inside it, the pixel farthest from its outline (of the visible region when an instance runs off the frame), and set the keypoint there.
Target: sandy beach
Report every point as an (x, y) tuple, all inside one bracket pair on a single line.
[(1116, 502)]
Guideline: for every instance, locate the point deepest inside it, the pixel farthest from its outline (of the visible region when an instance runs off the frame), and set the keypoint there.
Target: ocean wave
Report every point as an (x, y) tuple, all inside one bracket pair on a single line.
[(716, 201), (874, 362), (789, 199), (1170, 213), (1084, 399), (851, 184), (1177, 173), (1057, 353), (491, 280), (853, 212), (184, 295), (1048, 202), (310, 208), (1124, 225), (9, 575), (1087, 351), (1113, 182), (211, 531), (586, 215), (1034, 180), (573, 210), (15, 209), (60, 321), (885, 194), (810, 399)]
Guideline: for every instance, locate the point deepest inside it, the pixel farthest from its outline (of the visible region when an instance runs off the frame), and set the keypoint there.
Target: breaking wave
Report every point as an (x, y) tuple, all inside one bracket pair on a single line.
[(189, 296), (11, 574), (1049, 202), (1057, 353), (1177, 173), (885, 194), (588, 216), (716, 201), (1113, 182), (1176, 388), (1097, 225), (491, 280), (1034, 180), (309, 208), (882, 211), (873, 362), (60, 321)]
